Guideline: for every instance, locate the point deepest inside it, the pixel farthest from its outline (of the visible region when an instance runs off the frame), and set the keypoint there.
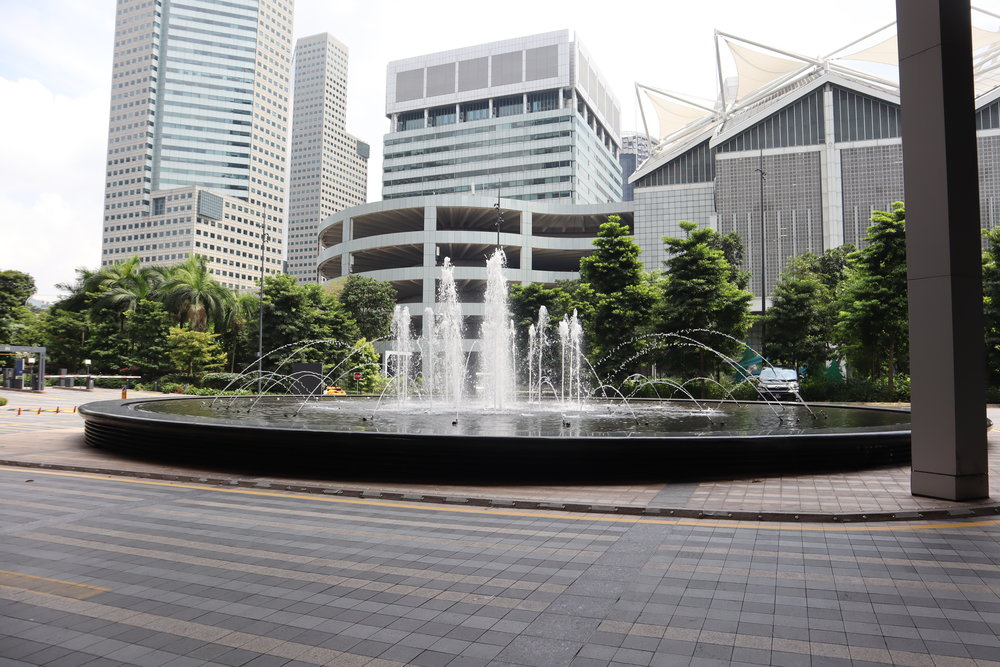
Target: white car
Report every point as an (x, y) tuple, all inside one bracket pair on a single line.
[(779, 380)]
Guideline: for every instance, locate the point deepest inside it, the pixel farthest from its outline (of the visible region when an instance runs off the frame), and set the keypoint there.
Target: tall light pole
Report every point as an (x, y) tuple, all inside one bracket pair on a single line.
[(763, 262), (499, 216), (260, 311)]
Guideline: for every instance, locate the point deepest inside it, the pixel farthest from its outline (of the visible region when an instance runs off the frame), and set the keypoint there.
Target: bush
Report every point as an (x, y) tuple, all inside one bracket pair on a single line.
[(112, 383), (3, 401), (218, 380), (856, 390), (191, 390), (662, 388), (178, 378)]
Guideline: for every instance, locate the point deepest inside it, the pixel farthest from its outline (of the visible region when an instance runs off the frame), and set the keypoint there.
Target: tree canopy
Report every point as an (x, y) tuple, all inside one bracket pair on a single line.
[(622, 299), (872, 318), (701, 291), (370, 302)]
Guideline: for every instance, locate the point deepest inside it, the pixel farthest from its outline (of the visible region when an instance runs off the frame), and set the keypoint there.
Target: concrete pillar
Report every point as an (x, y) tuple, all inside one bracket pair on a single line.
[(832, 183), (526, 247), (943, 249), (430, 269)]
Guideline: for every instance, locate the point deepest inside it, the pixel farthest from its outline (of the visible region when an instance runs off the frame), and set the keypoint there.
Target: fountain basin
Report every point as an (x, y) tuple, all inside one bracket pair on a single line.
[(356, 438)]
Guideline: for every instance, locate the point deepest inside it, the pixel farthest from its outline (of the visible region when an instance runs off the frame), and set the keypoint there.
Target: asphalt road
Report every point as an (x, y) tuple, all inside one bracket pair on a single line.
[(111, 571)]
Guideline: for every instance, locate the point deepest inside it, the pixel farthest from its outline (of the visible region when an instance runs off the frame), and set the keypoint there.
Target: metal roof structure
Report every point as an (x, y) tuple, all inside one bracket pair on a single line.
[(755, 76)]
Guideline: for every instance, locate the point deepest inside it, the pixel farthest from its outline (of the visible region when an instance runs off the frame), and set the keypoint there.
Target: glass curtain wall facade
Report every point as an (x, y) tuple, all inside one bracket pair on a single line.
[(328, 167), (529, 118), (200, 94)]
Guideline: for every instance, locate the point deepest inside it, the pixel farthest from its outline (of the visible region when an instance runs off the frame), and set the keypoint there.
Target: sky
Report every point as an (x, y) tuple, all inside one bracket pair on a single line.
[(55, 77)]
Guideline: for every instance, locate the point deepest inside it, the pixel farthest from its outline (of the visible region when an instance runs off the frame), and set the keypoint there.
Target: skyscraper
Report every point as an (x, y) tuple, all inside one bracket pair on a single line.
[(636, 148), (199, 106), (530, 117), (329, 167)]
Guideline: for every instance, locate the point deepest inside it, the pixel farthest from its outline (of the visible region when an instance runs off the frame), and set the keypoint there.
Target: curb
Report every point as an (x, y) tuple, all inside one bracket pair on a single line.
[(986, 509)]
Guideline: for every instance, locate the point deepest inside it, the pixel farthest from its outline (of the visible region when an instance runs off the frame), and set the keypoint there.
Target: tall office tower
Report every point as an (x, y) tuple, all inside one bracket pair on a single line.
[(199, 103), (530, 117), (636, 148), (329, 167)]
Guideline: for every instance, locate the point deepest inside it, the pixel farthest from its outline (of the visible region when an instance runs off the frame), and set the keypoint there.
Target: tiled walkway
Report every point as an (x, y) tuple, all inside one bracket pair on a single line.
[(56, 440), (123, 571)]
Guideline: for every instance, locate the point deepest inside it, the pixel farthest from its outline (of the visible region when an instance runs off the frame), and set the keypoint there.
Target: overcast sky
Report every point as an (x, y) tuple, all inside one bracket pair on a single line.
[(55, 74)]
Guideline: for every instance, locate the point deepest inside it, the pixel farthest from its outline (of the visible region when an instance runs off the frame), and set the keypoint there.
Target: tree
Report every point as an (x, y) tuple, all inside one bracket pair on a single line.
[(15, 289), (195, 297), (195, 352), (524, 302), (700, 291), (872, 320), (370, 302), (800, 319), (733, 250), (991, 304), (119, 287), (138, 345), (365, 360), (622, 299), (66, 334), (831, 266), (296, 313)]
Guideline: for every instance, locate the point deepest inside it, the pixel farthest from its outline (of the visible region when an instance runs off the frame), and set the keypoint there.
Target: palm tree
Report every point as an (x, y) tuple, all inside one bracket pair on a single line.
[(242, 313), (194, 296), (122, 285)]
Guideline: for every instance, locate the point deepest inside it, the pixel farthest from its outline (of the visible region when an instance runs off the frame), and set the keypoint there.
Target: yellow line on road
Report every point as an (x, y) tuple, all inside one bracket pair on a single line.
[(569, 516), (66, 589)]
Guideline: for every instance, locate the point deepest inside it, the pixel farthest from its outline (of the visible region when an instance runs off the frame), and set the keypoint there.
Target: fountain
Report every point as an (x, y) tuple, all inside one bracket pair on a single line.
[(442, 417)]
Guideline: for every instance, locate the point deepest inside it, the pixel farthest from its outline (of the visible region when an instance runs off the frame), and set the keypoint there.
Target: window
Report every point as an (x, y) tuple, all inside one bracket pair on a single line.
[(412, 120), (508, 106), (441, 116), (474, 111), (544, 101)]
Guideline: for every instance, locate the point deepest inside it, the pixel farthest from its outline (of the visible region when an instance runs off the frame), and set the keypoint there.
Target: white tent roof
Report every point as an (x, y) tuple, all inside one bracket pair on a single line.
[(764, 71), (756, 69)]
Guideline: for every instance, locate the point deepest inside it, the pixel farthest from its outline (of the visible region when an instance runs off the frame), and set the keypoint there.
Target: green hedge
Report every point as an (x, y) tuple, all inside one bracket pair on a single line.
[(218, 380), (856, 390), (3, 401)]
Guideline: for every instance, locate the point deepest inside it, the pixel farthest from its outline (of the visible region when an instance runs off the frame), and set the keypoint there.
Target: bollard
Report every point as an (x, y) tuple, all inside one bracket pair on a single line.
[(57, 409), (39, 411), (124, 392), (74, 409), (19, 412)]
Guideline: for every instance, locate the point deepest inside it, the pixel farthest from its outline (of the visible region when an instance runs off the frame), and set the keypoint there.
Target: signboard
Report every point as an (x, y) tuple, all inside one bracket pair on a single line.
[(357, 376)]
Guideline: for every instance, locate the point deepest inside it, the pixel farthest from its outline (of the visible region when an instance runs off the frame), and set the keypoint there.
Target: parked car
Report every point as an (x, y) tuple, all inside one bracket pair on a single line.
[(779, 380)]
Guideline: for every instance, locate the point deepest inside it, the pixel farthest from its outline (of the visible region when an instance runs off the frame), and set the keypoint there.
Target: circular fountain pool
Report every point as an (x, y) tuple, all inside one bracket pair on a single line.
[(360, 438)]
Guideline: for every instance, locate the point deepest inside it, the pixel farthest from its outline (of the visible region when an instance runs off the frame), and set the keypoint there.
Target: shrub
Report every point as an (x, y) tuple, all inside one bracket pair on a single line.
[(218, 380), (178, 378), (3, 401), (112, 383), (855, 390)]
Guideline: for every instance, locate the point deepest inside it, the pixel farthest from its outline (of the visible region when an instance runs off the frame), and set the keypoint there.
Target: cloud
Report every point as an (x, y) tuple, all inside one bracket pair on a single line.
[(51, 181), (48, 242)]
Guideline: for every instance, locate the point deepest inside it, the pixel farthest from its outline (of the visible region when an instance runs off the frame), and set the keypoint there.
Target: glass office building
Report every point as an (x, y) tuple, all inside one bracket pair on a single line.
[(200, 94), (530, 118)]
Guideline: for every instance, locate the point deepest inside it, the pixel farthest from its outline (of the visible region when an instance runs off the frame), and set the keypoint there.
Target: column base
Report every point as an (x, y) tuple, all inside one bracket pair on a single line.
[(949, 487)]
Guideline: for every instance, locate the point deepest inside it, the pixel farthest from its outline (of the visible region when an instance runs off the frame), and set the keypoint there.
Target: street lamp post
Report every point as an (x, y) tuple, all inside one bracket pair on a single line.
[(90, 380), (264, 238), (763, 261)]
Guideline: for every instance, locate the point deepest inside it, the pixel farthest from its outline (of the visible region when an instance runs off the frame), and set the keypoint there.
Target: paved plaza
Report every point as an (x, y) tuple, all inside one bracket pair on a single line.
[(133, 568)]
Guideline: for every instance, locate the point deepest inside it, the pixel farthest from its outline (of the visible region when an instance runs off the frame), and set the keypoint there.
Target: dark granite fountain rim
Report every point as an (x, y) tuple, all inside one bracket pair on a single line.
[(124, 410)]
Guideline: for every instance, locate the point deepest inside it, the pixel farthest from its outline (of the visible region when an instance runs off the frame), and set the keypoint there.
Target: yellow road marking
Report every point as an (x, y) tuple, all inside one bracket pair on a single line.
[(569, 516), (66, 589)]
